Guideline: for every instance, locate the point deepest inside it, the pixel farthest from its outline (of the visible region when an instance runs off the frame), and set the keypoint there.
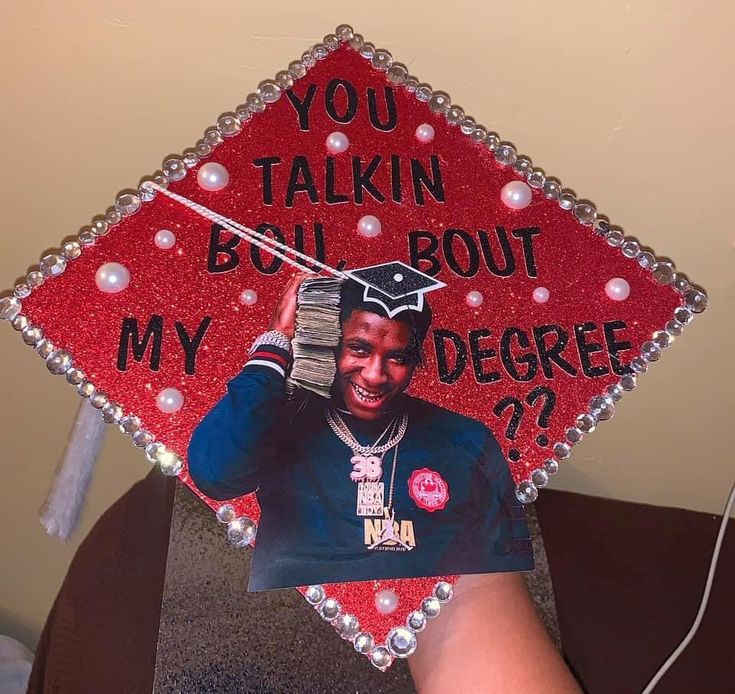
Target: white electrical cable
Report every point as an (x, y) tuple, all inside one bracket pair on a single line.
[(257, 238), (705, 598)]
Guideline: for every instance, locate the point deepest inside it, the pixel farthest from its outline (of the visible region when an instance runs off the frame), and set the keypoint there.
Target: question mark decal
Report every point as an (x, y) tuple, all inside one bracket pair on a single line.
[(513, 423), (546, 411)]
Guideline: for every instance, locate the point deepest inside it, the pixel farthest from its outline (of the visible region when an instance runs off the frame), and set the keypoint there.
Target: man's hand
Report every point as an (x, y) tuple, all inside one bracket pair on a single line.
[(284, 315)]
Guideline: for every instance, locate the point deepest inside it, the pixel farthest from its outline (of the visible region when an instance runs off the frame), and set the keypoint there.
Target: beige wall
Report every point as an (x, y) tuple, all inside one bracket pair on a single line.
[(629, 103)]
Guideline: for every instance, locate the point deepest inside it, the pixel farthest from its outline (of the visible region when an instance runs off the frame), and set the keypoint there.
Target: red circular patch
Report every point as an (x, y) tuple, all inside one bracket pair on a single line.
[(428, 489)]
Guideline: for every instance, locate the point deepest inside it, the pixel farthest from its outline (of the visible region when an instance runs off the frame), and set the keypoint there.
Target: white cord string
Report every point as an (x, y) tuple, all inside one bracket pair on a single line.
[(705, 598), (274, 247)]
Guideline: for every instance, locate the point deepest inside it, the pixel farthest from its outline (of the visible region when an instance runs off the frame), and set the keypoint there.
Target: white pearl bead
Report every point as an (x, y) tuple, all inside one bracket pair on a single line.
[(165, 239), (369, 226), (212, 176), (474, 299), (386, 601), (398, 277), (541, 295), (337, 142), (617, 289), (249, 297), (516, 195), (425, 133), (112, 278), (170, 400)]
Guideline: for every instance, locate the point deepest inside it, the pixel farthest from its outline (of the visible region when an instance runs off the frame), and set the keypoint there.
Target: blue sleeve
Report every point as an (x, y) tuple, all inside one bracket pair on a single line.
[(237, 439)]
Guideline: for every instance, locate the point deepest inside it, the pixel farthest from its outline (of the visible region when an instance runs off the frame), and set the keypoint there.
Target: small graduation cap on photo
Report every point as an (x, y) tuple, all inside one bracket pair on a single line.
[(395, 286)]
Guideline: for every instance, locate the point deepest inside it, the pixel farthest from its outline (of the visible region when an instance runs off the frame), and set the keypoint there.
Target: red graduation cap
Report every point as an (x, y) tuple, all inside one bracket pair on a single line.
[(547, 313)]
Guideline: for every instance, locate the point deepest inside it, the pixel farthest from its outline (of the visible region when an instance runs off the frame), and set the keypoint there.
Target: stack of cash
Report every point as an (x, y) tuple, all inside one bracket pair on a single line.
[(317, 335)]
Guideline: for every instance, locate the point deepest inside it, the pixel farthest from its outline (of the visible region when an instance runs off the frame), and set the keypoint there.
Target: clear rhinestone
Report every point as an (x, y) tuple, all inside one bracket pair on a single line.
[(646, 260), (443, 591), (99, 400), (100, 227), (526, 492), (573, 435), (190, 157), (255, 103), (522, 165), (683, 315), (650, 351), (31, 334), (479, 133), (615, 238), (308, 60), (10, 307), (696, 300), (319, 51), (585, 212), (330, 609), (314, 595), (34, 278), (601, 226), (143, 438), (85, 389), (454, 114), (145, 191), (561, 450), (639, 365), (586, 423), (492, 141), (112, 413), (681, 284), (344, 32), (174, 168), (59, 362), (20, 322), (674, 328), (284, 80), (630, 248), (226, 513), (567, 200), (296, 69), (112, 216), (664, 272), (536, 178), (505, 154), (416, 620), (356, 42), (363, 643), (423, 92), (382, 60), (45, 349), (152, 450), (228, 124), (21, 291), (204, 149), (662, 339), (439, 102), (615, 391), (75, 376), (628, 382), (551, 466), (269, 91), (243, 113), (87, 238), (127, 203), (381, 657), (410, 84), (170, 463), (602, 408), (331, 42), (401, 642), (552, 188), (129, 424), (467, 125), (52, 265), (397, 73), (347, 626), (213, 137), (540, 478), (430, 607), (367, 50), (241, 531)]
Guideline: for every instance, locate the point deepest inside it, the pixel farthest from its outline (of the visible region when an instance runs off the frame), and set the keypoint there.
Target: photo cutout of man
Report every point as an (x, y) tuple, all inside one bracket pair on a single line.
[(371, 483)]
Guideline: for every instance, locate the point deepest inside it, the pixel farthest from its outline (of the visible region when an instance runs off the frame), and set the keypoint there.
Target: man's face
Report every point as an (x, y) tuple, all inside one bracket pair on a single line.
[(373, 363)]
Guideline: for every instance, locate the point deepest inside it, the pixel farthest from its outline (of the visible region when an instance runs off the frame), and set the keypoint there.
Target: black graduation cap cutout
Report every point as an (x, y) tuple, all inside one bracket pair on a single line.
[(395, 286)]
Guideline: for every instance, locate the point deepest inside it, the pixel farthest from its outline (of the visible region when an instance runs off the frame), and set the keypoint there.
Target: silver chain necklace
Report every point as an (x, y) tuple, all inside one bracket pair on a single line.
[(344, 434)]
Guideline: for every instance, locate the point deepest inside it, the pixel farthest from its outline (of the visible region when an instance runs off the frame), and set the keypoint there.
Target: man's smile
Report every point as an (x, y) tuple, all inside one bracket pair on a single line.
[(368, 396)]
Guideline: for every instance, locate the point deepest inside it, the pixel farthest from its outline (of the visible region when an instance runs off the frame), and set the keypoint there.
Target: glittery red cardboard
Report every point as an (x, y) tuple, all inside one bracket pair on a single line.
[(527, 369)]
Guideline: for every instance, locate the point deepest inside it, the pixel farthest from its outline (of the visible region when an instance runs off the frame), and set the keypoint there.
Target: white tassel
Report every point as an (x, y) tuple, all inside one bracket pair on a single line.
[(60, 512)]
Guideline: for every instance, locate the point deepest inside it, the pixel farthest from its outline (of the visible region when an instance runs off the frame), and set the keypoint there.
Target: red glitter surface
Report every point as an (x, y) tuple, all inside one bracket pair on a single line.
[(572, 262)]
